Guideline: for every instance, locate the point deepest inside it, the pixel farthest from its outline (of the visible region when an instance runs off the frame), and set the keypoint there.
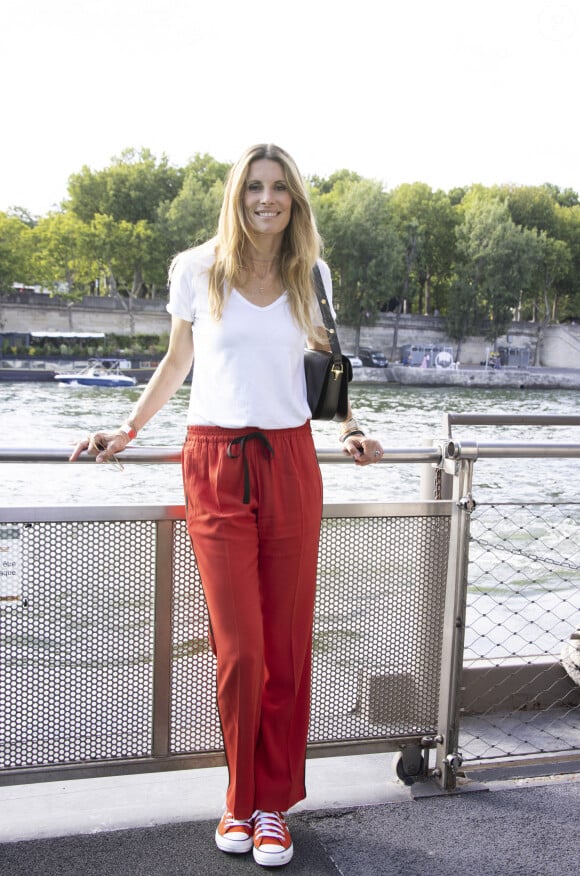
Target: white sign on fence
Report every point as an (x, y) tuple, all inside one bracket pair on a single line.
[(10, 565)]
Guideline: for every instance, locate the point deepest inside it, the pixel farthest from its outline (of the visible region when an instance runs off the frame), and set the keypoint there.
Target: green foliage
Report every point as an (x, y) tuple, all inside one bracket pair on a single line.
[(130, 190), (355, 220), (495, 261), (533, 207), (475, 254), (15, 251), (338, 179), (426, 222), (192, 216), (24, 215), (62, 254), (142, 346)]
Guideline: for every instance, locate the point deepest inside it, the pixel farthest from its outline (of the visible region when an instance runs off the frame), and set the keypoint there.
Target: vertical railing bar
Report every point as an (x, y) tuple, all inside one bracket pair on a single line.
[(454, 627), (162, 640)]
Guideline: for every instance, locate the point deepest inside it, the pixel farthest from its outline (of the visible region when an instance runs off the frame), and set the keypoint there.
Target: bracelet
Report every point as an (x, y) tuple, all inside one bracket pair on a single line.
[(349, 425), (342, 438), (129, 430), (348, 428)]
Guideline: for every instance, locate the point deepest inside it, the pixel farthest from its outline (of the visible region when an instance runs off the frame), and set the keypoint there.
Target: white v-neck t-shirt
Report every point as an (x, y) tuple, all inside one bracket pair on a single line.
[(248, 366)]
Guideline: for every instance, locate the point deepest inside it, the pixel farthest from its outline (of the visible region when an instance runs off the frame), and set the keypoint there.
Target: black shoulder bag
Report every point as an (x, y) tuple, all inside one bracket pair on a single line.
[(327, 374)]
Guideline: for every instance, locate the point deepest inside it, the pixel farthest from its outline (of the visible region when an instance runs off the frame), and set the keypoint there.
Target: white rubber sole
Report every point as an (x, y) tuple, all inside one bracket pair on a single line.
[(273, 859), (234, 847)]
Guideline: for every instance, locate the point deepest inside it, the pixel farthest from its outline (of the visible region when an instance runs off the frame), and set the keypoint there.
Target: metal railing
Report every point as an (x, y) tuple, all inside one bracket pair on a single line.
[(523, 605), (104, 658)]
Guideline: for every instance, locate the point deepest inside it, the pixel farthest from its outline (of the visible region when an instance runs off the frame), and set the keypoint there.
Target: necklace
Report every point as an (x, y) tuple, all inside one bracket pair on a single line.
[(262, 276)]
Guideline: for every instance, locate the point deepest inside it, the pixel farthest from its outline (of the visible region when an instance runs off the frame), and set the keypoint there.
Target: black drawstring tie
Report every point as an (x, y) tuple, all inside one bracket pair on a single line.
[(241, 440)]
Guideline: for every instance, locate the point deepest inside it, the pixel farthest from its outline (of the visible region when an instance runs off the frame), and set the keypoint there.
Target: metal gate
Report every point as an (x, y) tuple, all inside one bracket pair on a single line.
[(105, 665)]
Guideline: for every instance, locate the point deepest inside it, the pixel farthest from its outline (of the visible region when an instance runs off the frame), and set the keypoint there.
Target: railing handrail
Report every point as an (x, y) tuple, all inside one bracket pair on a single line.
[(465, 449), (510, 450), (173, 455), (461, 419)]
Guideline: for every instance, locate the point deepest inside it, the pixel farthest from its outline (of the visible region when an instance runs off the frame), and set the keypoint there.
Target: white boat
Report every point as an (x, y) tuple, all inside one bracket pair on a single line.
[(99, 372)]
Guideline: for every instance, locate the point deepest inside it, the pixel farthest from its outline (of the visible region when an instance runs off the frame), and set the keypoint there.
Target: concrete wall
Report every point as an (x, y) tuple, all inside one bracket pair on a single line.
[(89, 315), (415, 329), (559, 348)]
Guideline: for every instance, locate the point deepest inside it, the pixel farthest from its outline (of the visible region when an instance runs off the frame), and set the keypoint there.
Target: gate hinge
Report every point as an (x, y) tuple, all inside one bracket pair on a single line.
[(467, 503), (454, 762)]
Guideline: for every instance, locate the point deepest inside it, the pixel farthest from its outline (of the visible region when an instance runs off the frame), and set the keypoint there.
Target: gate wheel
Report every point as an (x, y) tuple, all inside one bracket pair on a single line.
[(409, 764)]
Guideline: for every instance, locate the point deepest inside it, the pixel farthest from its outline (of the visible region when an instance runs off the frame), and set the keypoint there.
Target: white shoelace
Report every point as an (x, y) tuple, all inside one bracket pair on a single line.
[(269, 825), (230, 821)]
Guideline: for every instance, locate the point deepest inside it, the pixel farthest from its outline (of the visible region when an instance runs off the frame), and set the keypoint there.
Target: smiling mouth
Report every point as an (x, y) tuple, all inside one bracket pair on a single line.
[(265, 215)]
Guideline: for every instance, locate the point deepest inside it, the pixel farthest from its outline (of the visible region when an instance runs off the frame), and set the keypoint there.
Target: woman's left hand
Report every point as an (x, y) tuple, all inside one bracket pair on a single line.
[(363, 450)]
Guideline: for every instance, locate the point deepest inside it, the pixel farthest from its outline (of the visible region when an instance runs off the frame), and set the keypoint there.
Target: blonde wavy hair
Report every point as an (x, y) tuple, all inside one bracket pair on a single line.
[(301, 244)]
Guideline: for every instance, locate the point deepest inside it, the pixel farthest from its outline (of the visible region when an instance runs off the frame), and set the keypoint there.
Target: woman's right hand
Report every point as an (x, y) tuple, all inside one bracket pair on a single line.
[(167, 378), (102, 445)]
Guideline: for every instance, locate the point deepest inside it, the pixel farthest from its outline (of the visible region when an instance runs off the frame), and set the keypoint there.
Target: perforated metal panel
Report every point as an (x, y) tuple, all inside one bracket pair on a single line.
[(377, 634), (194, 717), (378, 627), (77, 681), (76, 651)]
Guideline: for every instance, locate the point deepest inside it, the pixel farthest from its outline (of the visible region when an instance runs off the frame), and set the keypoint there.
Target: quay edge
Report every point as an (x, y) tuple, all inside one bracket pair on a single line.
[(395, 375), (488, 378), (475, 378)]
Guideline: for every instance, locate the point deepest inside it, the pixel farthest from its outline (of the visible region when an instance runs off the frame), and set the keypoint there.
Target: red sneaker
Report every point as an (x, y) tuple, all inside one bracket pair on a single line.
[(233, 835), (272, 841)]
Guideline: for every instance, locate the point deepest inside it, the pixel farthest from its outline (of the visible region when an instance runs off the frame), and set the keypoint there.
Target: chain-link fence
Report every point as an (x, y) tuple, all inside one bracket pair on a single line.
[(523, 609)]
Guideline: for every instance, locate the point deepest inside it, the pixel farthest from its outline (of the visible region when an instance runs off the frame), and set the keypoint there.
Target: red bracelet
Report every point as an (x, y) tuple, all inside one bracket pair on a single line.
[(129, 430)]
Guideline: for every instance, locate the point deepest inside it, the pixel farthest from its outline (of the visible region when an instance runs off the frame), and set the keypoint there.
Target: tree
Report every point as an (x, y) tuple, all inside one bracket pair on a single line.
[(130, 189), (552, 263), (568, 286), (14, 251), (24, 215), (62, 256), (337, 180), (563, 197), (532, 207), (427, 223), (463, 314), (355, 220), (192, 216), (496, 260), (125, 198)]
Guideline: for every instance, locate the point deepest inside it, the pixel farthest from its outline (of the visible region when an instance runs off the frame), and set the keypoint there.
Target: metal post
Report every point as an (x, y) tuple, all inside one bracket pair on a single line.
[(162, 640), (448, 759)]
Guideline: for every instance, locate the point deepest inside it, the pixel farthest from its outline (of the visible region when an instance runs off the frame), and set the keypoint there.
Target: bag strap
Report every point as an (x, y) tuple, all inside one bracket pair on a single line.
[(328, 320)]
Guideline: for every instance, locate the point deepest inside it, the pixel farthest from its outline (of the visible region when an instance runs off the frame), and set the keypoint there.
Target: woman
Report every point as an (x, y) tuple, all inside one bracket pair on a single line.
[(245, 303)]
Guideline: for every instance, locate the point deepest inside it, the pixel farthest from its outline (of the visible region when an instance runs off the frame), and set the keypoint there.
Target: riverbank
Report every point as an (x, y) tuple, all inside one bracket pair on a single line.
[(476, 377), (555, 346), (487, 378)]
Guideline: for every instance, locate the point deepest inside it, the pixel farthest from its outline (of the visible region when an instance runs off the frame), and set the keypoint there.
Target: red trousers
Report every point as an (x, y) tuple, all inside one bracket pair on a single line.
[(254, 504)]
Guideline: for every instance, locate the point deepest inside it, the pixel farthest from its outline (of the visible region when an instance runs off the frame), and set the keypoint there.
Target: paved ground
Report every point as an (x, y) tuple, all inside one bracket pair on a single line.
[(515, 827)]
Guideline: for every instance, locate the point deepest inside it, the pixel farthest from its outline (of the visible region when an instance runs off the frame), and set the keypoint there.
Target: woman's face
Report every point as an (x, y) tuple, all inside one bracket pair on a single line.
[(267, 201)]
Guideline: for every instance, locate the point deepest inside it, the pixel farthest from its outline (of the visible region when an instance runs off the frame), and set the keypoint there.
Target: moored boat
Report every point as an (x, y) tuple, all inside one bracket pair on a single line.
[(99, 372)]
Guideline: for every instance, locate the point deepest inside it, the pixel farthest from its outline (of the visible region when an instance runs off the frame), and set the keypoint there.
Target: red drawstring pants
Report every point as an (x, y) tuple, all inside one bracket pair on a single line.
[(254, 504)]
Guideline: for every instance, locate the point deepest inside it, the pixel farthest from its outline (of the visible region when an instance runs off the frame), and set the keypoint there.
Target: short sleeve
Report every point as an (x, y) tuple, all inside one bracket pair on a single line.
[(181, 292)]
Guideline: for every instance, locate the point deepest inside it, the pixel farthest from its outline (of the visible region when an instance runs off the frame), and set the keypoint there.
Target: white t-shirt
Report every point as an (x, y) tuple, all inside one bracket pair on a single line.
[(249, 366)]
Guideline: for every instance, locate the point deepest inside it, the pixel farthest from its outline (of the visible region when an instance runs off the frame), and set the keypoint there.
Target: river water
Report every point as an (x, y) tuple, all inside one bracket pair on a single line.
[(55, 416)]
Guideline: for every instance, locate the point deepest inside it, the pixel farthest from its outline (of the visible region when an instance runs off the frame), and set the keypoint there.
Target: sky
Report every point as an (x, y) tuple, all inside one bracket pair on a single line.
[(445, 92)]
